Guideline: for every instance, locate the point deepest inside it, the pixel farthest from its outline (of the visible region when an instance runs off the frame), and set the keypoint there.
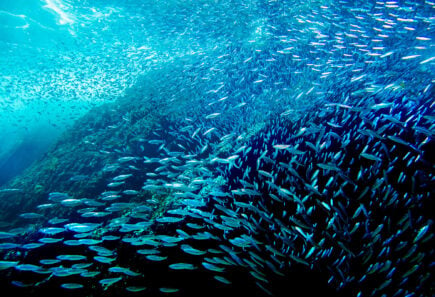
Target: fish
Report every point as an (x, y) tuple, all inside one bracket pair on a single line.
[(57, 196), (212, 115), (168, 290), (51, 230), (71, 257), (190, 250), (8, 245), (49, 261), (135, 289), (182, 266), (222, 279), (81, 228), (106, 282), (31, 216), (423, 230), (122, 177), (72, 286), (33, 245), (8, 264), (212, 267), (104, 259), (126, 271), (156, 258), (71, 202), (6, 235), (26, 267)]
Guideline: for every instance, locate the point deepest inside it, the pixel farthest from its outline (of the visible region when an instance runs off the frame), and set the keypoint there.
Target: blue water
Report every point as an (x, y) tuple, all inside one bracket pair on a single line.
[(292, 99), (61, 58)]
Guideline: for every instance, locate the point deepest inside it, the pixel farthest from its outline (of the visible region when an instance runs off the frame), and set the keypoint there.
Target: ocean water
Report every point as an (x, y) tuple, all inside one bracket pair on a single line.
[(211, 148)]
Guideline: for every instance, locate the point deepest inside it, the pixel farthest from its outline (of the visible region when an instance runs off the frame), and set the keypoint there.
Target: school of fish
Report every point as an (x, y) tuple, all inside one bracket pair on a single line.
[(304, 157)]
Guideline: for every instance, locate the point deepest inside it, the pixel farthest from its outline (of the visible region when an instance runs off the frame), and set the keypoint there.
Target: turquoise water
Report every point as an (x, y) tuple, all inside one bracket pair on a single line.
[(253, 147), (62, 58)]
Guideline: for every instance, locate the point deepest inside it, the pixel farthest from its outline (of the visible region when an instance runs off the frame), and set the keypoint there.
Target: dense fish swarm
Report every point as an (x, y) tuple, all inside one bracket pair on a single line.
[(349, 199), (298, 160)]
